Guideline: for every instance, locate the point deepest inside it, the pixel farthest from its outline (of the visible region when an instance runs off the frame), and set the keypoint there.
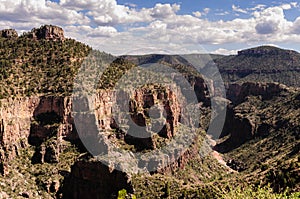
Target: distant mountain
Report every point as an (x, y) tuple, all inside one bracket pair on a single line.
[(263, 64), (171, 59)]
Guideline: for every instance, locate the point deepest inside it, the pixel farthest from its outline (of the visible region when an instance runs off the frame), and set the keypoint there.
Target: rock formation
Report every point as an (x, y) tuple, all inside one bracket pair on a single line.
[(19, 127), (138, 122), (48, 32), (44, 121), (238, 92), (9, 33)]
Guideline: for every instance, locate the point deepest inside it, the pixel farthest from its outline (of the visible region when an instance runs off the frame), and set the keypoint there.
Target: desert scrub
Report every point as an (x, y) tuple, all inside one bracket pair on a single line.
[(30, 66), (37, 179), (258, 193)]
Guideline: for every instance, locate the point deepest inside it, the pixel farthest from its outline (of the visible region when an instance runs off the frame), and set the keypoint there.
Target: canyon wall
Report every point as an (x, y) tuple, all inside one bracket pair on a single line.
[(152, 109), (255, 111), (238, 92), (19, 126), (34, 120)]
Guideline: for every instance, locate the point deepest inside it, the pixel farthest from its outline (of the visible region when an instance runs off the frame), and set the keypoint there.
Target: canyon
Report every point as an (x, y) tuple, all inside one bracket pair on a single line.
[(25, 122), (57, 140)]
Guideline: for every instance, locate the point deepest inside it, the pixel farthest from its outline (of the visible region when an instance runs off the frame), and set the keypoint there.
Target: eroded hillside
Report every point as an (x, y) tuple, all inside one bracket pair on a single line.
[(46, 123)]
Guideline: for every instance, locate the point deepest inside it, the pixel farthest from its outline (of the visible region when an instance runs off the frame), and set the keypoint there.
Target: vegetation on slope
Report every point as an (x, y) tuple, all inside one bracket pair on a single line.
[(264, 64), (29, 66), (272, 156), (41, 180)]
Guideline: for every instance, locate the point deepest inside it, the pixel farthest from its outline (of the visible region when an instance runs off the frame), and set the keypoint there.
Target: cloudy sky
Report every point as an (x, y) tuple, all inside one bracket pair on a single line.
[(161, 26)]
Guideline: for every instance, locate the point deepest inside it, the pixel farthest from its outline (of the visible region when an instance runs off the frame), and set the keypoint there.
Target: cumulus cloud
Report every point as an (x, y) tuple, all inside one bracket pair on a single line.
[(108, 13), (39, 11), (270, 20), (267, 27), (295, 29), (103, 31), (96, 22), (164, 10), (286, 6)]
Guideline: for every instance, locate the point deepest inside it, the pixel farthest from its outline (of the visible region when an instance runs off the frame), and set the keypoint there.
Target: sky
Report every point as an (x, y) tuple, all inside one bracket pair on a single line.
[(161, 26)]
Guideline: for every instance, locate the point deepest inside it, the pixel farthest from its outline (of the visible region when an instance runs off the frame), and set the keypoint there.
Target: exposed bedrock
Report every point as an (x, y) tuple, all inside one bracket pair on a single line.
[(238, 92), (48, 32), (26, 121), (44, 121)]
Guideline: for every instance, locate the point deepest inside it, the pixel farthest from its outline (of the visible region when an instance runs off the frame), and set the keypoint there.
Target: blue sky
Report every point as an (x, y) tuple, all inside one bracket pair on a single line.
[(216, 6), (177, 27)]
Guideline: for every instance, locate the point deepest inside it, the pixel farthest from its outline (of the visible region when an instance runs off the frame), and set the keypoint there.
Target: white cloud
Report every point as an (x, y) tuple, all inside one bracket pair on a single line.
[(164, 10), (103, 31), (257, 7), (238, 9), (197, 14), (38, 12), (222, 13), (131, 5), (206, 10), (295, 29), (270, 21), (286, 6), (223, 51), (295, 4), (97, 22)]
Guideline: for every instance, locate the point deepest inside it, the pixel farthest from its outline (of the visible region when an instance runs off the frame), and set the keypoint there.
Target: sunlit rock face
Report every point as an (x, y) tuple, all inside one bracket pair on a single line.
[(48, 32)]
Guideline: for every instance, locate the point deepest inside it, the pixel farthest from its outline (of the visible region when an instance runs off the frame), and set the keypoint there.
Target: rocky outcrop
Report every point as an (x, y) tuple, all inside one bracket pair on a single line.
[(48, 32), (44, 121), (237, 93), (134, 118), (91, 178), (158, 107), (35, 120), (235, 165), (9, 33), (48, 152), (19, 126)]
